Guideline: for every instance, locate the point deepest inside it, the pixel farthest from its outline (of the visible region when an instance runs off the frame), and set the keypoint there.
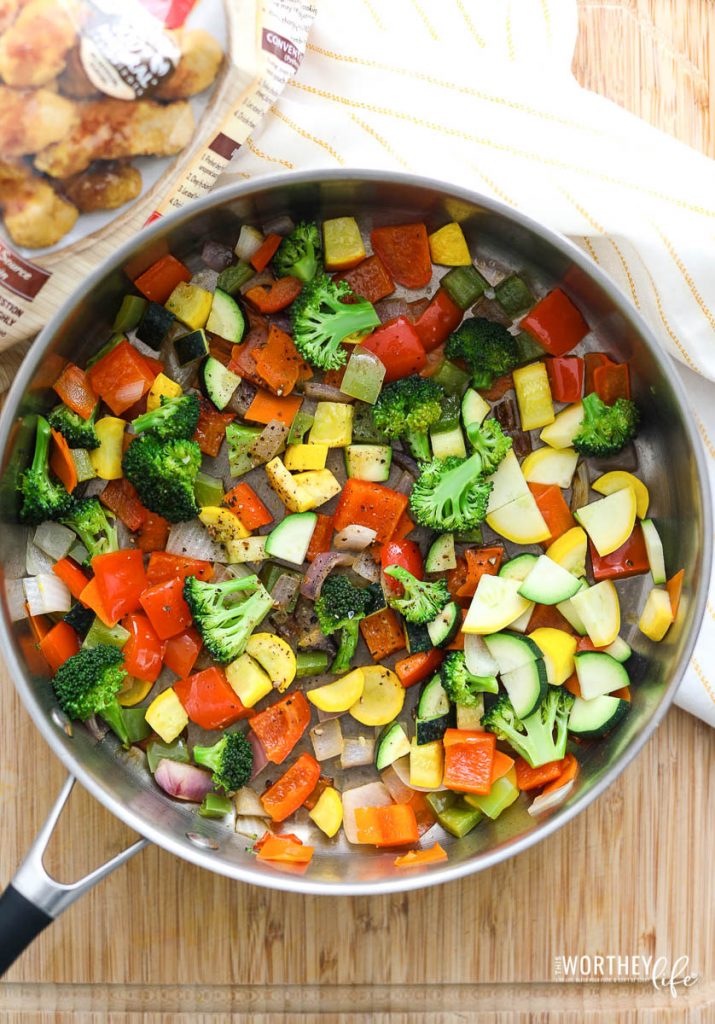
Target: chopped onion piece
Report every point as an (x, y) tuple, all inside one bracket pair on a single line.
[(248, 803), (249, 242), (328, 716), (54, 539), (183, 781), (269, 442), (284, 590), (373, 794), (192, 540), (320, 568), (580, 488), (326, 393), (46, 593), (547, 801), (260, 760), (95, 487), (15, 597), (405, 483), (354, 538), (366, 566), (251, 828), (399, 792), (357, 750), (327, 739), (216, 255), (36, 561), (206, 278)]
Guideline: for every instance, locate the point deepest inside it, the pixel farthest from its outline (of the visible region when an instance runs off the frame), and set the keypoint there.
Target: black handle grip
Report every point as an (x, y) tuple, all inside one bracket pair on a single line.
[(20, 923)]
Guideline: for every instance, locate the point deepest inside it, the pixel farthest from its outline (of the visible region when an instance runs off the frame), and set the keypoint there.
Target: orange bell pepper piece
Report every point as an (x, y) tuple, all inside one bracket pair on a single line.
[(75, 391), (468, 760), (569, 771), (416, 858), (286, 849), (419, 666), (533, 778), (159, 280), (292, 789), (266, 407), (62, 463), (394, 825), (372, 505), (383, 634)]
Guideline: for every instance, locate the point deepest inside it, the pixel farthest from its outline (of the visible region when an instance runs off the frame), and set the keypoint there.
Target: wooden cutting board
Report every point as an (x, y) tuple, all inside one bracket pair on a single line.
[(164, 941)]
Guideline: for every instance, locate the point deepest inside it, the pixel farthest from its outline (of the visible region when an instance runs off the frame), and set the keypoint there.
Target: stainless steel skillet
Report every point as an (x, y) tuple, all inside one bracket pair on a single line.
[(670, 460)]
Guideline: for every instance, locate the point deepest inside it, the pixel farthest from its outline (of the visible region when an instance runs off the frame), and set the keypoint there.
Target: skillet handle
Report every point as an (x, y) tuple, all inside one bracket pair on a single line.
[(33, 899)]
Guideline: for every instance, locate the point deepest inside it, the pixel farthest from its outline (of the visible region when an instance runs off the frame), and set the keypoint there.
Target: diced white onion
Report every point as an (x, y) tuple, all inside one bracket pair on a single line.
[(251, 828), (54, 539), (15, 597), (354, 538), (327, 739), (191, 539), (36, 561), (142, 347), (547, 801), (373, 794), (79, 552), (205, 278), (399, 792), (46, 593), (248, 803), (249, 241), (357, 750), (366, 566)]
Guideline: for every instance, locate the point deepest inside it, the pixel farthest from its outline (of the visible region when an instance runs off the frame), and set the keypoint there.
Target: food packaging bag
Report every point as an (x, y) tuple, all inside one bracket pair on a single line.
[(114, 113)]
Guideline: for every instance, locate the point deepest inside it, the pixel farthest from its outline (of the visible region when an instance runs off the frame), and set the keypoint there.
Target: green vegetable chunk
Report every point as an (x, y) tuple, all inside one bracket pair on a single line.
[(533, 737), (488, 349), (407, 408), (164, 473), (606, 429), (224, 624), (175, 418), (421, 601), (88, 683), (230, 760), (298, 255), (88, 519), (341, 606), (42, 497), (322, 321), (462, 686), (77, 432)]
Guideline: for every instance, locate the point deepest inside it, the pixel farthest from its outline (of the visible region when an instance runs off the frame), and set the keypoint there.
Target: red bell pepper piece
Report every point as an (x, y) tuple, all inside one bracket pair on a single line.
[(394, 825), (592, 361), (265, 252), (630, 559), (211, 428), (555, 323), (407, 555), (534, 778), (552, 505), (249, 508), (280, 726), (404, 250), (209, 700), (181, 652), (322, 537), (441, 317), (372, 505), (90, 598), (59, 644), (468, 760), (566, 374), (612, 382), (71, 575), (419, 666), (403, 528), (143, 651), (163, 566), (369, 279), (159, 280), (121, 377), (166, 608), (479, 562), (153, 533), (397, 345), (121, 498), (75, 391), (274, 297), (292, 789), (120, 580)]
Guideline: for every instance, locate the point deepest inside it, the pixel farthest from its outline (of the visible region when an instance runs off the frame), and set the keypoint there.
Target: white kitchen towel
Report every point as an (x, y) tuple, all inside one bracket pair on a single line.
[(482, 94)]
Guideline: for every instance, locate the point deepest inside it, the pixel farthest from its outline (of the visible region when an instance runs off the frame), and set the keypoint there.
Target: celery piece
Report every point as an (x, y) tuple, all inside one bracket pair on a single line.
[(311, 663), (208, 490), (364, 429), (157, 750), (453, 813), (136, 724), (82, 464), (104, 350), (513, 295), (464, 285), (114, 636), (300, 426), (240, 438), (364, 375), (233, 278), (453, 379), (214, 805), (502, 794), (129, 313), (527, 349), (450, 416)]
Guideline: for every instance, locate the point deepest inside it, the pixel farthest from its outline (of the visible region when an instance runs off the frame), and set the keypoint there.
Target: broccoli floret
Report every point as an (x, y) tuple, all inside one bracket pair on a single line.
[(230, 760), (605, 429), (407, 408), (488, 349), (175, 418), (163, 473), (298, 254), (321, 321), (341, 606), (462, 686), (42, 497), (89, 521), (490, 442), (420, 601), (88, 683), (533, 737), (77, 432), (451, 494), (224, 624)]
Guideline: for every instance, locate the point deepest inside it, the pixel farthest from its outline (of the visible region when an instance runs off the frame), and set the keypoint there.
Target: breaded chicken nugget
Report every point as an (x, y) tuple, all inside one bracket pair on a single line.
[(31, 119), (115, 129), (34, 48), (8, 10), (103, 188), (201, 57), (34, 215)]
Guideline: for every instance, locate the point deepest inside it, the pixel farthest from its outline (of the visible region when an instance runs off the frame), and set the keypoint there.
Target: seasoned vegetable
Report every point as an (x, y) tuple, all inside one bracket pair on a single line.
[(42, 497), (420, 601), (89, 521), (298, 255), (77, 431), (406, 409), (341, 606), (164, 474), (322, 321), (605, 429), (88, 683), (230, 760), (225, 627), (487, 348), (533, 737), (174, 418)]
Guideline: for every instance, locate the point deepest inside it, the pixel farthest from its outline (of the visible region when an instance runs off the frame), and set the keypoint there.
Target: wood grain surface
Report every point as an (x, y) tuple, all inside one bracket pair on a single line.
[(162, 941)]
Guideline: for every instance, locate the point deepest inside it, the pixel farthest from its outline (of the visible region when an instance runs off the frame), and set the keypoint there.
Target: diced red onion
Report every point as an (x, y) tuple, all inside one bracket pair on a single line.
[(320, 569), (354, 538), (326, 393), (282, 224), (580, 488), (183, 781), (405, 484), (217, 255), (242, 398), (260, 759)]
